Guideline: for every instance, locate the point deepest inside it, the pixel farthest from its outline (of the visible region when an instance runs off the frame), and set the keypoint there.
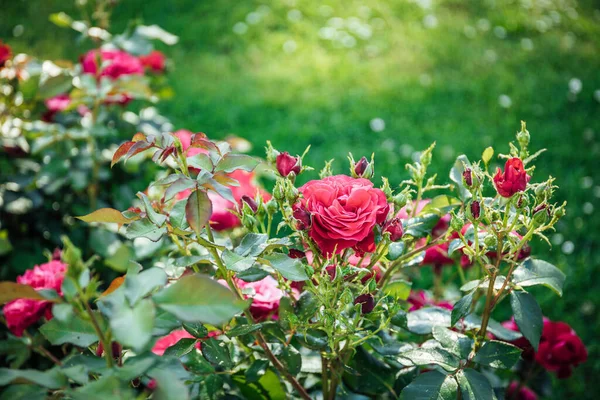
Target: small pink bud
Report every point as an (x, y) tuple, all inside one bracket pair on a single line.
[(394, 227)]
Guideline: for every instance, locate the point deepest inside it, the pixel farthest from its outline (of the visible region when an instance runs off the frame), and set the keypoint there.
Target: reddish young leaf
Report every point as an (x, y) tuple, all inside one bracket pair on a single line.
[(198, 210), (10, 291), (114, 285), (107, 215), (121, 151)]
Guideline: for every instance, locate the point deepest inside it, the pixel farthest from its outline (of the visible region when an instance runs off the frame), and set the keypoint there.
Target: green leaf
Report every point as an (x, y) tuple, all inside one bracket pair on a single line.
[(198, 210), (431, 385), (441, 205), (144, 228), (132, 327), (528, 316), (197, 298), (314, 339), (200, 161), (252, 274), (498, 354), (106, 215), (177, 216), (24, 392), (75, 331), (398, 289), (156, 218), (429, 356), (139, 285), (420, 226), (168, 385), (231, 162), (136, 366), (51, 379), (290, 268), (456, 176), (256, 370), (240, 330), (235, 262), (456, 343), (461, 308), (10, 291), (473, 321), (307, 306), (181, 348), (217, 353), (368, 374), (537, 272), (252, 245), (107, 387), (487, 155), (423, 320), (195, 329), (474, 385), (291, 359), (395, 250), (77, 373)]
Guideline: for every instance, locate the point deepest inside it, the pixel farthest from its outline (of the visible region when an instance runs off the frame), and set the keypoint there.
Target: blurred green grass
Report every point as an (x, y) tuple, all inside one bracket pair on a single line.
[(462, 73)]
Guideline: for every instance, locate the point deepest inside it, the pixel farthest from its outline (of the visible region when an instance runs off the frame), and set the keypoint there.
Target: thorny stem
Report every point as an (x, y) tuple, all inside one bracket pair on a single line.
[(105, 342), (259, 336)]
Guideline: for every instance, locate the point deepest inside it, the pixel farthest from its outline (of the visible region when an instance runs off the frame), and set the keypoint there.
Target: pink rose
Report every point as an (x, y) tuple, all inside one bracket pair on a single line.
[(114, 63), (5, 54), (419, 299), (55, 105), (171, 339), (155, 61), (22, 313), (266, 297), (514, 392), (344, 211)]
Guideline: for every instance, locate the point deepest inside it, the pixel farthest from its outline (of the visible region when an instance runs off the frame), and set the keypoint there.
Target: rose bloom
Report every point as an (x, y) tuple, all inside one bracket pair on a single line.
[(419, 299), (266, 297), (560, 348), (55, 105), (171, 339), (118, 63), (514, 178), (22, 313), (524, 393), (155, 61), (5, 54), (344, 211)]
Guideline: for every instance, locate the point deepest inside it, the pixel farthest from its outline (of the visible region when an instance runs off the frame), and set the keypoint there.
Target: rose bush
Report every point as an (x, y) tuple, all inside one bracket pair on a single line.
[(316, 285)]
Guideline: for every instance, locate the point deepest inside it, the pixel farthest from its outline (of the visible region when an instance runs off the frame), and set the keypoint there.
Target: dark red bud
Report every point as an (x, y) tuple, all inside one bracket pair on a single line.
[(303, 218), (361, 166), (116, 349), (294, 253), (540, 207), (475, 209), (286, 164), (152, 384), (366, 301), (331, 271), (56, 254), (394, 227), (468, 177), (250, 201)]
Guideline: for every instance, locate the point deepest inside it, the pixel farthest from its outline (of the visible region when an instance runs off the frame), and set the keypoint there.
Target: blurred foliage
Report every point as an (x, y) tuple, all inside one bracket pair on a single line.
[(391, 77)]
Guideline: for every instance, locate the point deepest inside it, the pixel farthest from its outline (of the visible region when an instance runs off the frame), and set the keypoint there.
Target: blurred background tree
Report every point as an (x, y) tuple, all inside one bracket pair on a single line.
[(390, 77)]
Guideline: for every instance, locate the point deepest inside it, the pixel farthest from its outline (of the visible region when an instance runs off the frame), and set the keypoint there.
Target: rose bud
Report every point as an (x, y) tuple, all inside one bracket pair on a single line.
[(468, 177), (250, 202), (302, 217), (394, 227), (287, 164), (363, 168), (294, 253), (514, 178), (331, 271), (115, 347), (366, 301), (518, 392), (5, 54), (475, 208)]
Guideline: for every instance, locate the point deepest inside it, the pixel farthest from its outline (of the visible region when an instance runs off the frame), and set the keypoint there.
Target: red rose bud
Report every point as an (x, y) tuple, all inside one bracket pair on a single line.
[(519, 392), (366, 301), (394, 227), (287, 164), (475, 209), (116, 349), (250, 202), (468, 177), (56, 254), (331, 271), (155, 61), (363, 168), (514, 178), (294, 253), (303, 219), (152, 384)]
